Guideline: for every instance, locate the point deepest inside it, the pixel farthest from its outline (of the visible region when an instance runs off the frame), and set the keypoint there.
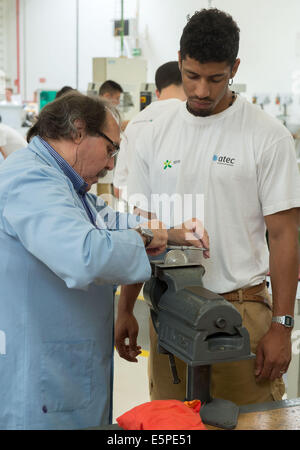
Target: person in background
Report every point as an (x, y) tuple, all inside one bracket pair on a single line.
[(64, 90), (243, 162), (8, 97), (111, 91), (10, 140), (63, 251), (169, 92)]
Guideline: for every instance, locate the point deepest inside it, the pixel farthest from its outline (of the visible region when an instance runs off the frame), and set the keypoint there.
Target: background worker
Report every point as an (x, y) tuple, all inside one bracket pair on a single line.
[(111, 91), (64, 90), (243, 161), (169, 92), (62, 253), (9, 97)]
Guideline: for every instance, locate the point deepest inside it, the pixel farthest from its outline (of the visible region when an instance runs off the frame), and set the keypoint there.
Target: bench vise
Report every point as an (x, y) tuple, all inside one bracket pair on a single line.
[(197, 326)]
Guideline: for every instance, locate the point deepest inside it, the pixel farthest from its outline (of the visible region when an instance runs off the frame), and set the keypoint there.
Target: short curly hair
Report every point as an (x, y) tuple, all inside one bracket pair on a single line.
[(210, 35)]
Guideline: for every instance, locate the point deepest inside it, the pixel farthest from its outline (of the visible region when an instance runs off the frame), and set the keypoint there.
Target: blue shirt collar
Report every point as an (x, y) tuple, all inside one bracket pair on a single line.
[(78, 182)]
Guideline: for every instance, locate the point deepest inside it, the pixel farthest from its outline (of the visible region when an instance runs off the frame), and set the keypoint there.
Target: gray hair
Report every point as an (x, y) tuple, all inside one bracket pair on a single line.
[(57, 119)]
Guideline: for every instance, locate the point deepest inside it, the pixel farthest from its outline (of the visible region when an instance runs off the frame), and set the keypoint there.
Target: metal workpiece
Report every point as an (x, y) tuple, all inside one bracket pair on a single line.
[(199, 327)]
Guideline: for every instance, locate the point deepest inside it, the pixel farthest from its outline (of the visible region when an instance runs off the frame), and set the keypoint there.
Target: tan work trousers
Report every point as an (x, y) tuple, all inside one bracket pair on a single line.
[(233, 381)]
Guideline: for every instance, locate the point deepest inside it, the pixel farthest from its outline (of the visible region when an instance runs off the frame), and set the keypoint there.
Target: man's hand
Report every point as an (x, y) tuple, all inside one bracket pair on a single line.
[(273, 353), (127, 328), (190, 233), (159, 242)]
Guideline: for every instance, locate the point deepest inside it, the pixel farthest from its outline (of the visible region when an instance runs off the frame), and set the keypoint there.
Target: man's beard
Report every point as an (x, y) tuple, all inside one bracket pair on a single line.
[(102, 173), (199, 113)]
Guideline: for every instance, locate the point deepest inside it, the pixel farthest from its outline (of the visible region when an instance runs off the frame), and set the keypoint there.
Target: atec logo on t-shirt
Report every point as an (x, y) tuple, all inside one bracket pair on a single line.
[(225, 160)]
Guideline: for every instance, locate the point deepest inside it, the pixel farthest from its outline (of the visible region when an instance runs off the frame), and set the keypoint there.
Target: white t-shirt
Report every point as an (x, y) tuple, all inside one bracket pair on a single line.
[(135, 126), (242, 160), (10, 139)]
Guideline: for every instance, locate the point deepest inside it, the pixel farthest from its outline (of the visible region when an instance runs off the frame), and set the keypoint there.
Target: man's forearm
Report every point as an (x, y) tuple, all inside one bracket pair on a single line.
[(172, 236), (273, 352), (128, 296), (284, 270)]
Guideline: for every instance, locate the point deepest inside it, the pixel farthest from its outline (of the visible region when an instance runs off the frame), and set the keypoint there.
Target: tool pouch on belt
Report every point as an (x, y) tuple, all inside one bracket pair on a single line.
[(251, 294)]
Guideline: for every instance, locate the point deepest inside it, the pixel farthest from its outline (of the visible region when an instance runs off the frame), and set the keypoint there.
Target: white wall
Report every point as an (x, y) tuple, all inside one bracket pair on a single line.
[(49, 36), (8, 48), (96, 32), (11, 42), (268, 53), (49, 40)]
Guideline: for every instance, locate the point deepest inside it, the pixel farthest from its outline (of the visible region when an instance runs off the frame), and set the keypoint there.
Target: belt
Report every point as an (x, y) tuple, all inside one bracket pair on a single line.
[(247, 295)]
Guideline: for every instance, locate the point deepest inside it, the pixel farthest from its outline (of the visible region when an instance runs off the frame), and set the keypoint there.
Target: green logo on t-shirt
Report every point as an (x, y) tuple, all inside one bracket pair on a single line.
[(167, 164)]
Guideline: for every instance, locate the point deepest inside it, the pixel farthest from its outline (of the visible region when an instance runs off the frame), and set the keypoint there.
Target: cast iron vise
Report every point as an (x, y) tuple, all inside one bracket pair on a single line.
[(199, 327)]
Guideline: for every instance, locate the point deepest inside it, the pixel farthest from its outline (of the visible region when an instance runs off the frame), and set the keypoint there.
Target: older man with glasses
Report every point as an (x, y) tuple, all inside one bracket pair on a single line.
[(60, 262)]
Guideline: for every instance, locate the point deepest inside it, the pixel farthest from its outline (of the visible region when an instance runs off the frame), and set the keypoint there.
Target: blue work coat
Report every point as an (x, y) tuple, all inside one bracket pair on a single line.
[(57, 277)]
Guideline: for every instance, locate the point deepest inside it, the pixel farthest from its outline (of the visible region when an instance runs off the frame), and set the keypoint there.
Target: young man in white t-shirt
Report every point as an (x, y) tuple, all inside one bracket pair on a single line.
[(243, 161), (169, 92)]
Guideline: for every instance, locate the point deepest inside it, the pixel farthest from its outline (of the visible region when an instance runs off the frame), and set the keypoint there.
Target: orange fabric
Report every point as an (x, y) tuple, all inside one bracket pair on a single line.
[(194, 404), (162, 415)]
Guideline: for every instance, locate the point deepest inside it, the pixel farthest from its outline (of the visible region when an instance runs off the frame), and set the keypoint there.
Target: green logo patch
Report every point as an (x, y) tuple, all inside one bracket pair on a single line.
[(167, 164)]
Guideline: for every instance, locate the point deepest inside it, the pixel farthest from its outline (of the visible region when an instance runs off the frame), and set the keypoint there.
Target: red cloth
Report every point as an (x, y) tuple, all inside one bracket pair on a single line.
[(194, 404), (162, 415)]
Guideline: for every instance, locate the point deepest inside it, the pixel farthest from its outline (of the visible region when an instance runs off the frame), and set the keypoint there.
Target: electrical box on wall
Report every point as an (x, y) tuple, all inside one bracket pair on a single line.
[(129, 73), (129, 28), (118, 27), (147, 95)]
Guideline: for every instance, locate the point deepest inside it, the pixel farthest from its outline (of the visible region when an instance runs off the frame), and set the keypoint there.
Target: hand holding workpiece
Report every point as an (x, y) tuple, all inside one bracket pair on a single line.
[(190, 233)]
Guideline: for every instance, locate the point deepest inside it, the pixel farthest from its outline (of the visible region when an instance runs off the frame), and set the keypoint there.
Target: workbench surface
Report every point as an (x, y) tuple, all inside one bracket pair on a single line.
[(283, 415)]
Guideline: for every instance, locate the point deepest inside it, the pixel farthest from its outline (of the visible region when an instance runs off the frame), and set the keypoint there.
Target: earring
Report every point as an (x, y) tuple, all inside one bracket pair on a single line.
[(230, 82)]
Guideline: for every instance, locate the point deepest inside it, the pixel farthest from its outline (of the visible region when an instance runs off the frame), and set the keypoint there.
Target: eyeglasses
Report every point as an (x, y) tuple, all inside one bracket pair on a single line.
[(116, 146)]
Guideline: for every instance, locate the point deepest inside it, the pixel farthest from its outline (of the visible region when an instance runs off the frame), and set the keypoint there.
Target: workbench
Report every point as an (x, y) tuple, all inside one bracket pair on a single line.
[(282, 415)]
